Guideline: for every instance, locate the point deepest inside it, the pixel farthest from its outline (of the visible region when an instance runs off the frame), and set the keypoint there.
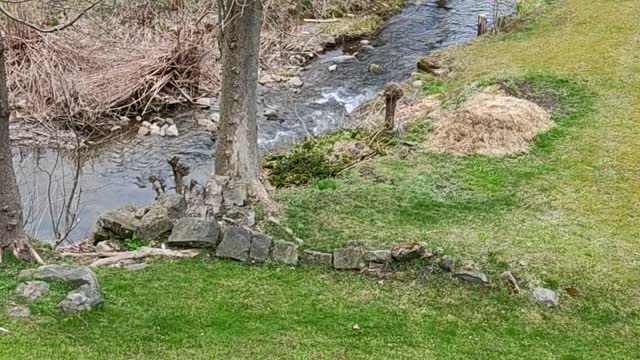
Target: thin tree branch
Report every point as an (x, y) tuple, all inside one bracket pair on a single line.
[(51, 30)]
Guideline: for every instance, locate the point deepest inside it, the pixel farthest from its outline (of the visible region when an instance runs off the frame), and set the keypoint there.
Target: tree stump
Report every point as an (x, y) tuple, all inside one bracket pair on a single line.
[(392, 93), (482, 25)]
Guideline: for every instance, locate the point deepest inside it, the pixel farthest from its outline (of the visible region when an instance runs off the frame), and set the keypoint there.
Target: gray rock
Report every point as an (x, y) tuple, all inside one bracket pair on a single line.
[(378, 256), (447, 263), (163, 130), (136, 267), (155, 130), (375, 68), (205, 101), (417, 84), (260, 246), (195, 233), (159, 220), (270, 113), (546, 297), (265, 79), (333, 68), (342, 59), (364, 42), (317, 258), (348, 258), (235, 244), (18, 311), (407, 252), (82, 299), (121, 223), (32, 290), (4, 331), (285, 252), (172, 131), (295, 82), (143, 131), (215, 117), (104, 247), (473, 276), (76, 276)]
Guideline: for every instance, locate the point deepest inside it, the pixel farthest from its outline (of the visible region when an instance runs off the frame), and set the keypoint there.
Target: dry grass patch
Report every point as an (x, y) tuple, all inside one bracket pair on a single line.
[(489, 125)]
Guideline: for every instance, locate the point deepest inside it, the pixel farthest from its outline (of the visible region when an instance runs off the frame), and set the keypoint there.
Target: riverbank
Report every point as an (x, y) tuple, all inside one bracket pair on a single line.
[(565, 212), (140, 73)]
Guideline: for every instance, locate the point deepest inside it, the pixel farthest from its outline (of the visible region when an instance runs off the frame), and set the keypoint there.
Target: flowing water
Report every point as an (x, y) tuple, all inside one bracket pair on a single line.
[(116, 175)]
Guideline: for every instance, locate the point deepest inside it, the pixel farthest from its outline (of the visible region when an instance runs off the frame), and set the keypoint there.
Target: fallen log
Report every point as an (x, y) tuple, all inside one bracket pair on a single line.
[(143, 253)]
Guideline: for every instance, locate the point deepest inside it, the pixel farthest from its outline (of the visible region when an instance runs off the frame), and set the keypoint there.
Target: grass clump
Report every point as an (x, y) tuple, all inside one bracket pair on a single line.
[(354, 28), (322, 157)]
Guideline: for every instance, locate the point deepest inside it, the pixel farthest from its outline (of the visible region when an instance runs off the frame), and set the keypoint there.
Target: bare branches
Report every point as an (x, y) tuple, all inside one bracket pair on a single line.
[(50, 30)]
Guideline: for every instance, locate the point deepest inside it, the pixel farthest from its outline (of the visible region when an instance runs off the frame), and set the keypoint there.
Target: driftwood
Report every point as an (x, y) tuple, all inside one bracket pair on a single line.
[(143, 253), (321, 21)]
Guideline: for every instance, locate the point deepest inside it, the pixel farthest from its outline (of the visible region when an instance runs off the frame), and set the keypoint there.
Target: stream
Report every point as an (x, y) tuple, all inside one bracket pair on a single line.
[(116, 175)]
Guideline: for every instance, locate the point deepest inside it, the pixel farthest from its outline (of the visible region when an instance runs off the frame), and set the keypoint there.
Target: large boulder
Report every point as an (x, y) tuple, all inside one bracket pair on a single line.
[(260, 248), (235, 244), (285, 252), (32, 290), (161, 217), (195, 233), (82, 299), (348, 258), (75, 276)]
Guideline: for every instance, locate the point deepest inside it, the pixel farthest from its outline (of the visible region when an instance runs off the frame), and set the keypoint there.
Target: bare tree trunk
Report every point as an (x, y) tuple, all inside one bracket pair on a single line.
[(237, 165), (12, 234)]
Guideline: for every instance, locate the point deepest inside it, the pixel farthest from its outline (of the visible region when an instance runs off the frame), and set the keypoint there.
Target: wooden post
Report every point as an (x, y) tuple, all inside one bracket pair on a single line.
[(392, 93), (482, 24)]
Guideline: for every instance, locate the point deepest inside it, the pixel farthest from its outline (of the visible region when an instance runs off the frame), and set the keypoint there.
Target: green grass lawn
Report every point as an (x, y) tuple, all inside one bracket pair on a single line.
[(565, 215)]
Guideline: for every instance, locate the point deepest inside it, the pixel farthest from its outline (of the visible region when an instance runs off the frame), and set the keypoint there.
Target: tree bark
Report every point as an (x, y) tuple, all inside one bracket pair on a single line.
[(12, 234), (392, 93), (237, 159)]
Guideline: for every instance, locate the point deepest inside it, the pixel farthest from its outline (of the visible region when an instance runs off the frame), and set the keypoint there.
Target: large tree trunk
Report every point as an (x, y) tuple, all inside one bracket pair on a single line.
[(12, 235), (237, 165)]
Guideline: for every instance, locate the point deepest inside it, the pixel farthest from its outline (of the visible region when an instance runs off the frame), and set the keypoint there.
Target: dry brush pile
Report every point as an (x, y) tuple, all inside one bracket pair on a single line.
[(124, 56)]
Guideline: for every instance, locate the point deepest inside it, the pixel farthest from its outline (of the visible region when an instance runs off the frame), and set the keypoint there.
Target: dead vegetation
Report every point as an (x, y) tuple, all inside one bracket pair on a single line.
[(489, 124), (126, 58)]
